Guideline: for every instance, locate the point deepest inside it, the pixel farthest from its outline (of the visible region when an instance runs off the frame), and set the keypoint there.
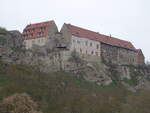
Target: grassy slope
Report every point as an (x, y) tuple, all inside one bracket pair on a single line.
[(59, 92)]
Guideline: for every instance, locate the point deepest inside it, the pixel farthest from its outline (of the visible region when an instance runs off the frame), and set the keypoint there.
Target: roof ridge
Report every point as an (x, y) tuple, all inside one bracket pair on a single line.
[(82, 28), (38, 23), (120, 39)]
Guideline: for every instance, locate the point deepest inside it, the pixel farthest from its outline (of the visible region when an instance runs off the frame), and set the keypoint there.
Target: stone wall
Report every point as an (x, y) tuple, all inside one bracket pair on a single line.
[(128, 57), (141, 58), (109, 53), (52, 29), (118, 55), (66, 36)]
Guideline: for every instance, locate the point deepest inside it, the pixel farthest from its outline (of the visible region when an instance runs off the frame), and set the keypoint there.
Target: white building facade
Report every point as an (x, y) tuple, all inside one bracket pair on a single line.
[(37, 41), (85, 46)]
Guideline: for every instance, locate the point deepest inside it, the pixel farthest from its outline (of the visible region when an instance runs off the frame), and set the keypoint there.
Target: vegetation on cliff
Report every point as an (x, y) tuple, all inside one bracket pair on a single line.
[(62, 92)]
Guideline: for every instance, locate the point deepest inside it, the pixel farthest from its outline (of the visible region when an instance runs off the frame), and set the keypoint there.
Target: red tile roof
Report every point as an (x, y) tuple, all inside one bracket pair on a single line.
[(84, 33), (36, 30)]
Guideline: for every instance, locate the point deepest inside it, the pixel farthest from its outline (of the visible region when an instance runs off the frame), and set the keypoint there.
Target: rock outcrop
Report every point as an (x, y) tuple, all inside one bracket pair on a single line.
[(56, 57)]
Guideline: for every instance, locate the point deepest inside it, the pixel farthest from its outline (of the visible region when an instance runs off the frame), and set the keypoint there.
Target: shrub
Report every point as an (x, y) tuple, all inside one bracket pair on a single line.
[(18, 103)]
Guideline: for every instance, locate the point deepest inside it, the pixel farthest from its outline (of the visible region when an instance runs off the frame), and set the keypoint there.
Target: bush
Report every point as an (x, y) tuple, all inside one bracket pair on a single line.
[(18, 103)]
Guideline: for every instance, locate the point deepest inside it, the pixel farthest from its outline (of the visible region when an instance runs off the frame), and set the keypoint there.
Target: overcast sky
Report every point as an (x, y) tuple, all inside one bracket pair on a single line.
[(124, 19)]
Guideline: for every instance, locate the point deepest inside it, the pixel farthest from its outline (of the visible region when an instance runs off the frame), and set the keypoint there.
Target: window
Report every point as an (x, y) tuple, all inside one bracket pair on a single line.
[(80, 50), (41, 28), (92, 52), (39, 33), (91, 44), (24, 43), (78, 42), (86, 43), (97, 46)]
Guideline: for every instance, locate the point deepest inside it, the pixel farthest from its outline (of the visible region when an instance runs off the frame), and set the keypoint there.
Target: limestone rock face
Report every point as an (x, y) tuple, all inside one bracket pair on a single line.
[(53, 59), (16, 38), (91, 73), (56, 56), (11, 39)]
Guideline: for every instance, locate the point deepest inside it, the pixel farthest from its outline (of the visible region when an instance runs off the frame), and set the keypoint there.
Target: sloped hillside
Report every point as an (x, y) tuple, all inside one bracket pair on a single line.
[(65, 93)]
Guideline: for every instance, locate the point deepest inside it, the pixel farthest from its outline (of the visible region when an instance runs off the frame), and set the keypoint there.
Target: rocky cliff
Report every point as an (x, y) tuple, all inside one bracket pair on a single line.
[(52, 59)]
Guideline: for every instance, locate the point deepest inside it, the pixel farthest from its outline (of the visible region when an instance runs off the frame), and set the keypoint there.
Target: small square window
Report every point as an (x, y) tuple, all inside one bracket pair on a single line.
[(91, 44), (97, 46), (86, 43), (78, 42), (80, 50)]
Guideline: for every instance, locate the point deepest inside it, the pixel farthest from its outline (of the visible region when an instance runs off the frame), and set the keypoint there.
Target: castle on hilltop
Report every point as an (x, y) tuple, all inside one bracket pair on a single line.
[(91, 46)]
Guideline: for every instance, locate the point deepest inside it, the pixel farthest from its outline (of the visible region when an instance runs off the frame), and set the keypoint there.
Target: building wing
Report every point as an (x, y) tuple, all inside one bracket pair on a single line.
[(84, 33)]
